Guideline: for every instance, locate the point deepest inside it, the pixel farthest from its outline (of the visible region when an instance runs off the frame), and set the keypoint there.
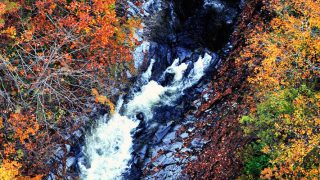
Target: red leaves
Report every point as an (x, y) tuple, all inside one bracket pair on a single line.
[(219, 114), (58, 53)]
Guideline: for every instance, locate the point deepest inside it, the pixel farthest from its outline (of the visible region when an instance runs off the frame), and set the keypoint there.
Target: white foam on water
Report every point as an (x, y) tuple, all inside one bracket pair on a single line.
[(145, 77), (144, 101), (109, 147)]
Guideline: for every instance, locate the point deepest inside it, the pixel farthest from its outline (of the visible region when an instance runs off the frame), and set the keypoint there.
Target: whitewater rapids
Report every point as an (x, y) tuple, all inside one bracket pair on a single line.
[(108, 149)]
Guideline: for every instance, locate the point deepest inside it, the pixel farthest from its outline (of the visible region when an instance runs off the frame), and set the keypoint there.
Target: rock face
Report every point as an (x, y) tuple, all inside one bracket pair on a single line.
[(192, 24), (185, 30)]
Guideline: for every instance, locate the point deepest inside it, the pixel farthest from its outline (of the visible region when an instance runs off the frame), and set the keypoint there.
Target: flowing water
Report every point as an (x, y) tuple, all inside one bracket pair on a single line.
[(109, 148)]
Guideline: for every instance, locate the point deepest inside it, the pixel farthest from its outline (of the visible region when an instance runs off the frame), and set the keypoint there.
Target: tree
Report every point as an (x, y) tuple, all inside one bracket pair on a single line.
[(55, 52), (284, 98)]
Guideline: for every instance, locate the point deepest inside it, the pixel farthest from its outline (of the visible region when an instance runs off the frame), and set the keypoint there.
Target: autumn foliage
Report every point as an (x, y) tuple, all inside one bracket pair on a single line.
[(284, 116), (268, 87), (53, 53)]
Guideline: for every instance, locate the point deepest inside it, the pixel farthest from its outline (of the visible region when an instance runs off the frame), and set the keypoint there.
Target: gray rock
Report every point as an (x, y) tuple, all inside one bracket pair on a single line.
[(191, 129), (197, 103), (177, 127), (59, 154), (169, 137), (197, 143), (156, 149), (169, 155), (185, 150), (159, 160), (51, 176), (68, 147), (184, 135), (175, 146), (65, 136), (206, 97), (162, 131), (142, 153), (174, 169), (168, 161), (70, 161), (77, 133), (128, 74)]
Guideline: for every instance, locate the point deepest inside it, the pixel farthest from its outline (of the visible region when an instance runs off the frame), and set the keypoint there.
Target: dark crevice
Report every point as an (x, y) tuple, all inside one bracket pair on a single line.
[(194, 24)]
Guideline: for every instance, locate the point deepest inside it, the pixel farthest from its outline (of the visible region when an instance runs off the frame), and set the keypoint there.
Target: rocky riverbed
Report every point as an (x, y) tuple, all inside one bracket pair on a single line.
[(186, 30)]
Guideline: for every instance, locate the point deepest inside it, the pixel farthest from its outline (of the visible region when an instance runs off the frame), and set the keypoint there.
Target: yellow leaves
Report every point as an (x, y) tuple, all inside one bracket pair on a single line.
[(6, 7), (266, 149), (9, 170), (314, 22), (103, 100), (2, 11), (283, 59), (1, 122), (11, 32), (266, 173), (23, 126)]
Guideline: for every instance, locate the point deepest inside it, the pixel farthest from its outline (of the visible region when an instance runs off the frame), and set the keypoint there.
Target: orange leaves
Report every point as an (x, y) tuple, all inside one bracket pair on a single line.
[(290, 48), (55, 51), (6, 7), (2, 11), (9, 170), (21, 136), (23, 126), (10, 32), (103, 100), (285, 104), (1, 122)]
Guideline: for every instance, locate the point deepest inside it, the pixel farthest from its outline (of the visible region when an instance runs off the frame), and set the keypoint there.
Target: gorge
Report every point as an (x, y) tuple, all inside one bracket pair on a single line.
[(183, 42)]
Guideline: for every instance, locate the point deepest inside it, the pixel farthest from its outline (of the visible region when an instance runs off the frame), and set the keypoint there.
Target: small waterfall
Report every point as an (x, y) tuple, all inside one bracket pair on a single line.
[(109, 148)]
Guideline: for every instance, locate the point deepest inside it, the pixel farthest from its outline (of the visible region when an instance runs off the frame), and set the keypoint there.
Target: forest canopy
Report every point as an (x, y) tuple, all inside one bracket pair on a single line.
[(54, 53)]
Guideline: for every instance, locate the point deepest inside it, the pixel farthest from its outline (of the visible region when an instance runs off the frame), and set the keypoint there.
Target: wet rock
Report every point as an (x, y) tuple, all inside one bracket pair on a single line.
[(142, 153), (184, 135), (99, 152), (129, 75), (184, 30), (140, 53), (68, 147), (169, 137), (70, 161), (217, 5), (191, 129), (174, 171), (183, 53), (162, 131), (168, 161), (140, 116), (198, 143), (152, 6), (159, 160), (168, 78), (186, 150), (51, 176), (59, 154), (77, 133), (175, 146)]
